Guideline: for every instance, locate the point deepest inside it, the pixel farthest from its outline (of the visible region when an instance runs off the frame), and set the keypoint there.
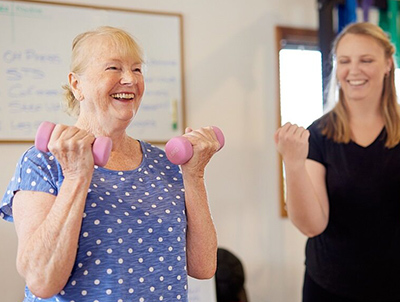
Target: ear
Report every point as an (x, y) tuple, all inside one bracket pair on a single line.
[(74, 83), (389, 65)]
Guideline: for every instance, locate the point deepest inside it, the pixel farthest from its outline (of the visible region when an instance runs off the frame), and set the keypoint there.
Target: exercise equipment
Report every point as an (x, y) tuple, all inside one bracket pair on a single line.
[(101, 147), (179, 150)]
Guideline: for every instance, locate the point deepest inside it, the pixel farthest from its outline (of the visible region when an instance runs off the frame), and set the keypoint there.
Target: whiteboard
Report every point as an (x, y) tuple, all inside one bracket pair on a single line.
[(35, 50)]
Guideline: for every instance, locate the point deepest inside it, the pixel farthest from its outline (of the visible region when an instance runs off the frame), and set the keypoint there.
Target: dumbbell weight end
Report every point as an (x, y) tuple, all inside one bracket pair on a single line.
[(43, 136), (179, 150), (101, 147), (101, 150)]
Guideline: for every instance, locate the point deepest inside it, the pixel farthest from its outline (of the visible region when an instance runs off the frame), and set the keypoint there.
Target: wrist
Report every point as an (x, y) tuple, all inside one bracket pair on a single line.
[(193, 174)]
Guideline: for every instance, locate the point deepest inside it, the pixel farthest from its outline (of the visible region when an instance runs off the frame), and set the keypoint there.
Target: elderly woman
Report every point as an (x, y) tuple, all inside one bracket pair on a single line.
[(129, 231)]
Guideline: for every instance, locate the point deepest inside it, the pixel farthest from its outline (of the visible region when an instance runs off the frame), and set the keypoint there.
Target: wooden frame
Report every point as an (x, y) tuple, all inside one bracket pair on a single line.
[(296, 36), (157, 128)]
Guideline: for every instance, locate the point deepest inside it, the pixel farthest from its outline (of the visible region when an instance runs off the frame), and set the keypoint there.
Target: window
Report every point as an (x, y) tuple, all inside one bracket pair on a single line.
[(300, 95), (300, 77), (397, 81)]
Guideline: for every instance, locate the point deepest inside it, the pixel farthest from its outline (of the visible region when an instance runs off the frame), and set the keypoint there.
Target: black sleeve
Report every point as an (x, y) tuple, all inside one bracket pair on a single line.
[(316, 143)]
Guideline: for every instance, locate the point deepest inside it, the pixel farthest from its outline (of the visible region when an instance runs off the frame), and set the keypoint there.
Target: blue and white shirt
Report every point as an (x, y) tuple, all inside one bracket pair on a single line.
[(132, 245)]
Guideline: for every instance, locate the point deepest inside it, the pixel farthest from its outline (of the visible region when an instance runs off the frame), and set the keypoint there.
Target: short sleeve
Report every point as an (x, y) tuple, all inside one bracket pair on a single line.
[(35, 171), (316, 143)]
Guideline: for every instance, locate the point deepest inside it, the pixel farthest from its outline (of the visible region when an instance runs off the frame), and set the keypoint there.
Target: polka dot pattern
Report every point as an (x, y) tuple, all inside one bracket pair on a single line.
[(133, 237)]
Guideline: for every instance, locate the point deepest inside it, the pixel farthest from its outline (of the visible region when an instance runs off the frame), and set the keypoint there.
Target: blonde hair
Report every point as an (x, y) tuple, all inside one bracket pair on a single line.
[(335, 124), (80, 55)]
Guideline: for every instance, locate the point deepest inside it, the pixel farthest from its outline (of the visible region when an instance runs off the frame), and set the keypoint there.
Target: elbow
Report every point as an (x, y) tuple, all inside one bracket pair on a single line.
[(207, 276), (310, 233), (41, 294), (209, 273), (40, 284), (202, 264), (310, 229), (43, 288), (203, 274)]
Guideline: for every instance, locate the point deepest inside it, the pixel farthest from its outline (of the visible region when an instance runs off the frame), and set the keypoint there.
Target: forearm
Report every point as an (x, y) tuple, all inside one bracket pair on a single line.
[(47, 257), (201, 233), (305, 208)]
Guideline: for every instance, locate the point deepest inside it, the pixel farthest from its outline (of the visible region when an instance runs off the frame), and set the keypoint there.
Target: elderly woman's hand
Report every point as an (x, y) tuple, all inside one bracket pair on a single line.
[(205, 145), (73, 149)]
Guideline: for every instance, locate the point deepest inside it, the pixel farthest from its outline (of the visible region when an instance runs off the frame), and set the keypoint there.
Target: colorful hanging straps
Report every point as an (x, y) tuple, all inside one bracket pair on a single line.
[(366, 5), (346, 13), (389, 22)]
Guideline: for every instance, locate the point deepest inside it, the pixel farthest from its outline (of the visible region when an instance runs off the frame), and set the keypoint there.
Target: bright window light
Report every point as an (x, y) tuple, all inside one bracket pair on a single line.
[(300, 76), (397, 82)]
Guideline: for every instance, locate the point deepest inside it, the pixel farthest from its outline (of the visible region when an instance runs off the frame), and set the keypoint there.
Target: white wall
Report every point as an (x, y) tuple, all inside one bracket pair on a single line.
[(230, 75)]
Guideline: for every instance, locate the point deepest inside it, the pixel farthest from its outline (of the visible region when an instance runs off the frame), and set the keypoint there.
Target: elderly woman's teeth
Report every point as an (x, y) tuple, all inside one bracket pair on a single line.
[(127, 96)]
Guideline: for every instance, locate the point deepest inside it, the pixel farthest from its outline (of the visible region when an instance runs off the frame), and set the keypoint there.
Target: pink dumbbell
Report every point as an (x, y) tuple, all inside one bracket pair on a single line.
[(179, 150), (101, 146)]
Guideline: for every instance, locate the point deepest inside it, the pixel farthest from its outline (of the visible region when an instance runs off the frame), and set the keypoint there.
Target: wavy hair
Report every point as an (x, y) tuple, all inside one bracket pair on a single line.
[(80, 55)]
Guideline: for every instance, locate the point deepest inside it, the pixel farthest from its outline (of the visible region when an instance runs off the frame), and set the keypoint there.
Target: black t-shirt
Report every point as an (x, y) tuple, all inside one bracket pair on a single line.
[(358, 255)]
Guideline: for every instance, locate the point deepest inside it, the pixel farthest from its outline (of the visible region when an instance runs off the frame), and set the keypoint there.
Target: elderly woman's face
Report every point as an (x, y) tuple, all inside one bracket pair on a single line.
[(112, 85)]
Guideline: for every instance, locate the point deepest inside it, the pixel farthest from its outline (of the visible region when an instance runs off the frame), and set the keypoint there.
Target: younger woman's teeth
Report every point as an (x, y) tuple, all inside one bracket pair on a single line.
[(357, 83)]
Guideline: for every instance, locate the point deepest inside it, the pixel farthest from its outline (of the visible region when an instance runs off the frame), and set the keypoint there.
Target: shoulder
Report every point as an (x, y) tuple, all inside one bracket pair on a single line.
[(319, 144), (39, 160), (316, 127), (35, 171), (41, 169), (322, 121)]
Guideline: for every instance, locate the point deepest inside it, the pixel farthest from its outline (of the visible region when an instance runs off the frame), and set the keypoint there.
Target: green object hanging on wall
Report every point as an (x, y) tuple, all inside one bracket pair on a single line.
[(389, 21)]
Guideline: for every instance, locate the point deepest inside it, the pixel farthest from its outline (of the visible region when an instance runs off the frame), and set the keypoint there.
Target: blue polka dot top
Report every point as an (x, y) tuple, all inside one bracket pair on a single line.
[(132, 245)]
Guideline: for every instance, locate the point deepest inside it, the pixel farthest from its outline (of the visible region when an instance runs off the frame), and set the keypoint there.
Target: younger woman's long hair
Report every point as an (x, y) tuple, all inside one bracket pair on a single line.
[(335, 124)]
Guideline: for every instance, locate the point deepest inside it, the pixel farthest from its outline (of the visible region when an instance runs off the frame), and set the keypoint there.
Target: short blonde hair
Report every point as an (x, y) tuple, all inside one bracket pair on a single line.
[(336, 122), (80, 54)]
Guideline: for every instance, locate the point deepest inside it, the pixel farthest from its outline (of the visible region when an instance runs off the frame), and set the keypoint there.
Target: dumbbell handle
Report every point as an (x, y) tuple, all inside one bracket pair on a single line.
[(101, 146), (179, 150)]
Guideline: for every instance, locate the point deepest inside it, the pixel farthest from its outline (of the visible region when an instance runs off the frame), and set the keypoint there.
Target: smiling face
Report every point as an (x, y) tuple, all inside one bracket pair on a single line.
[(361, 67), (111, 85)]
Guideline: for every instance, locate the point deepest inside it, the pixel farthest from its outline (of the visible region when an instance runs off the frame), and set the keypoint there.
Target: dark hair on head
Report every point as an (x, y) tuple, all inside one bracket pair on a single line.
[(229, 277)]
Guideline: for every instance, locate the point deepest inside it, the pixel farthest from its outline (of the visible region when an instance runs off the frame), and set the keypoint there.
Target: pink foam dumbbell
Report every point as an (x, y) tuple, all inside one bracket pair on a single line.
[(101, 146), (179, 150)]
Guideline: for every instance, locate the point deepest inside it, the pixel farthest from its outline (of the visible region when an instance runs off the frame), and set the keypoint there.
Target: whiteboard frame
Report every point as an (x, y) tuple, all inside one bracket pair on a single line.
[(182, 119)]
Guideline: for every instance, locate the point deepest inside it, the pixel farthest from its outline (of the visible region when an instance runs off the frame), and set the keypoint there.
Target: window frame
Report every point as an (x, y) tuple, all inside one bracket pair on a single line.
[(294, 36)]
